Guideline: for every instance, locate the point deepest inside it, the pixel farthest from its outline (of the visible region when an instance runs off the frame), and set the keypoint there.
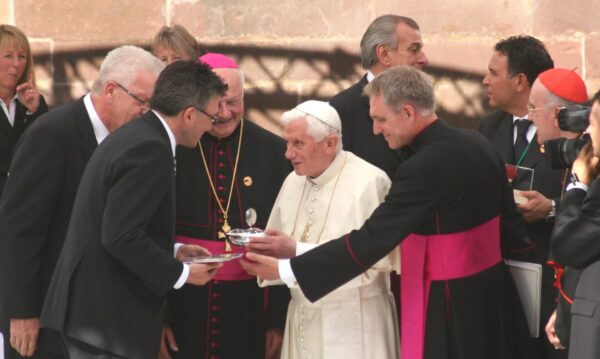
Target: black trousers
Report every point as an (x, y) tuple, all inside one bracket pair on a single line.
[(76, 349)]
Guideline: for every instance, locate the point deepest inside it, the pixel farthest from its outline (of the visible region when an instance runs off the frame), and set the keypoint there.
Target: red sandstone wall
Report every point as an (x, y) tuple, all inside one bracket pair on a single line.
[(292, 50)]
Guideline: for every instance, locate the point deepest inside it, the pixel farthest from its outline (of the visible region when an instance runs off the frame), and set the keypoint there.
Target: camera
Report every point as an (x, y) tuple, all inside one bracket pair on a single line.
[(563, 151)]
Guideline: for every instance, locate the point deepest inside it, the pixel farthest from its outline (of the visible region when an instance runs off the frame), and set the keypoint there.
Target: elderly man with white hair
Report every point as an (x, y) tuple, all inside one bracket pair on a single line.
[(330, 192)]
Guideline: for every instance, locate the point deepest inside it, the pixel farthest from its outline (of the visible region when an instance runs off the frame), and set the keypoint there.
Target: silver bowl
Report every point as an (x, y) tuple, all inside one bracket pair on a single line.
[(241, 237)]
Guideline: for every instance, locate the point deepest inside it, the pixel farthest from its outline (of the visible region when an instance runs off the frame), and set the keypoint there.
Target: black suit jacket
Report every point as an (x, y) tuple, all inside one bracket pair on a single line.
[(9, 134), (357, 129), (454, 176), (575, 244), (35, 208), (117, 262)]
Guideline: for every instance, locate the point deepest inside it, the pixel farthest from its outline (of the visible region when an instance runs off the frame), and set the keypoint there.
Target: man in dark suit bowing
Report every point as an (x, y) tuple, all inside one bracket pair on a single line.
[(118, 253), (452, 209), (45, 173), (513, 68), (389, 40)]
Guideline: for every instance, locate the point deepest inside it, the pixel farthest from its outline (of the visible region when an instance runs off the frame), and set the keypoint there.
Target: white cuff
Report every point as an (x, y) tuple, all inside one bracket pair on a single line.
[(176, 248), (285, 272), (578, 185), (183, 277)]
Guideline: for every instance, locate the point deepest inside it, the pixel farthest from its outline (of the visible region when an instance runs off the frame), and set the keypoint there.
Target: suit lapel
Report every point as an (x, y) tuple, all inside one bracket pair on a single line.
[(504, 139), (5, 126), (533, 155), (364, 99), (88, 142)]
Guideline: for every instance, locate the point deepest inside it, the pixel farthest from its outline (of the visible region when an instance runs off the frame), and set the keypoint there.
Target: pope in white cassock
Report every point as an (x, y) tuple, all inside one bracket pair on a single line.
[(330, 193)]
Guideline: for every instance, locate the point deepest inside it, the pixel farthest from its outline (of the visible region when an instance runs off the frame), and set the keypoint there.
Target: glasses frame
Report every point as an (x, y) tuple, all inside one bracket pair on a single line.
[(213, 119), (135, 97), (531, 109)]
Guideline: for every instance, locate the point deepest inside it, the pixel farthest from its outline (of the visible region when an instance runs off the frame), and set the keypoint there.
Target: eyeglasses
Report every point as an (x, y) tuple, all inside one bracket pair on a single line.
[(213, 119), (141, 102), (531, 108)]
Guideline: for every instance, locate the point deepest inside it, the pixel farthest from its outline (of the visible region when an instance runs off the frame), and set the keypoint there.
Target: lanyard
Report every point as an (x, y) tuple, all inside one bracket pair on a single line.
[(523, 154)]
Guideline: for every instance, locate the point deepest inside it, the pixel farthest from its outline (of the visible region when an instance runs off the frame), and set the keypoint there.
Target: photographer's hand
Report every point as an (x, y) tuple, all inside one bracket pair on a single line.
[(586, 166), (537, 206)]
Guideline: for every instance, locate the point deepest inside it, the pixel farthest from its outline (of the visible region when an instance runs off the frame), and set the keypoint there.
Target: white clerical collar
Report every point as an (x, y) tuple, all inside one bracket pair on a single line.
[(331, 171), (100, 130), (169, 132), (370, 76)]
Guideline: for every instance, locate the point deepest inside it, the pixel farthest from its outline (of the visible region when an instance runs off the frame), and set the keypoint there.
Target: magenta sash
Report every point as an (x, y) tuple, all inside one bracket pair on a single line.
[(440, 257), (230, 270)]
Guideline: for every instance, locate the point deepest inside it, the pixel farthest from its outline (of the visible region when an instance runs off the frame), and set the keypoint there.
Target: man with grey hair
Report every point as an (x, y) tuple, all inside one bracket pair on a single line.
[(389, 40), (330, 184), (45, 172), (448, 204), (119, 253)]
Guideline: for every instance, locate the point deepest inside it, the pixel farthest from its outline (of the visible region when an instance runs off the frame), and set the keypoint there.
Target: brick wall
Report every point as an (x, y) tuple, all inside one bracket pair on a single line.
[(293, 50)]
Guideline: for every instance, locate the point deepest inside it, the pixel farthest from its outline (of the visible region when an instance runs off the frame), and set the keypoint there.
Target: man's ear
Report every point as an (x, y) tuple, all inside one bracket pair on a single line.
[(410, 112), (187, 116), (332, 142), (556, 110), (109, 89), (522, 82), (383, 55)]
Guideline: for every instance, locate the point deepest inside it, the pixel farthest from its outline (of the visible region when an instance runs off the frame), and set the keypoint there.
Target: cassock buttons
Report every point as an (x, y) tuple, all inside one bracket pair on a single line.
[(247, 181)]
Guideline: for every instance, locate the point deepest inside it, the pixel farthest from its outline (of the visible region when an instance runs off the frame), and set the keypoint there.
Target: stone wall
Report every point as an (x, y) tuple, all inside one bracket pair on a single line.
[(293, 50)]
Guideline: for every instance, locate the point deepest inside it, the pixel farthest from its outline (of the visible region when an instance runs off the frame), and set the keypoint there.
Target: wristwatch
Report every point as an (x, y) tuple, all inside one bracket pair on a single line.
[(550, 216)]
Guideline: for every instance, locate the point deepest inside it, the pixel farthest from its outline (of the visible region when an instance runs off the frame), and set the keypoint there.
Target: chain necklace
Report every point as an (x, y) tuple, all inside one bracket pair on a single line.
[(306, 232), (225, 227)]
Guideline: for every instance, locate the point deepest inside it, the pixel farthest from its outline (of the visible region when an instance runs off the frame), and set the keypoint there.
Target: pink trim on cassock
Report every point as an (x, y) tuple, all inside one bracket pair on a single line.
[(230, 270), (440, 257)]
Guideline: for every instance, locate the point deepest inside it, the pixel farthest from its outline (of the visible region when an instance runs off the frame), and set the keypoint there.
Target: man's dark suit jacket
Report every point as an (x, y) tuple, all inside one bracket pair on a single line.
[(9, 134), (117, 262), (47, 165), (498, 128), (357, 129), (575, 243)]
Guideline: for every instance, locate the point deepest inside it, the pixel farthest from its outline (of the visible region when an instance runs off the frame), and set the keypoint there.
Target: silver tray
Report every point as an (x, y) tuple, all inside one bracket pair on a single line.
[(215, 258)]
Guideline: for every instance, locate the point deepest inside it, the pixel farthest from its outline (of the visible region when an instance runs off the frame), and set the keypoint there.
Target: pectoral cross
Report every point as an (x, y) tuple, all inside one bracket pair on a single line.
[(224, 229)]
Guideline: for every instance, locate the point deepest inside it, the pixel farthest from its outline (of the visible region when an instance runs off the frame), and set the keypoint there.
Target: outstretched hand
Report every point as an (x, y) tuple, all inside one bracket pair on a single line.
[(274, 244), (262, 266)]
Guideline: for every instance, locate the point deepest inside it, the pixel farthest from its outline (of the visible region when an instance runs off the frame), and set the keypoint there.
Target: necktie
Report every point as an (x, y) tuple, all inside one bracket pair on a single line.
[(521, 142)]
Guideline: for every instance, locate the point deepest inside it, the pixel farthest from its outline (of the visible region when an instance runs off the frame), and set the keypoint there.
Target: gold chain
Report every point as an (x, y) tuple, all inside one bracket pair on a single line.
[(305, 234), (225, 227)]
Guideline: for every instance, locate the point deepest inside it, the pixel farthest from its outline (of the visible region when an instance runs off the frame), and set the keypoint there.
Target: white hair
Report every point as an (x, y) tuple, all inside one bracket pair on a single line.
[(315, 128), (124, 64)]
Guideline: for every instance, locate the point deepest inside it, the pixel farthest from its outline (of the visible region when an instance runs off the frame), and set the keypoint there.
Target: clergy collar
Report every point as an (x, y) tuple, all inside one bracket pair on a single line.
[(334, 168), (428, 132)]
